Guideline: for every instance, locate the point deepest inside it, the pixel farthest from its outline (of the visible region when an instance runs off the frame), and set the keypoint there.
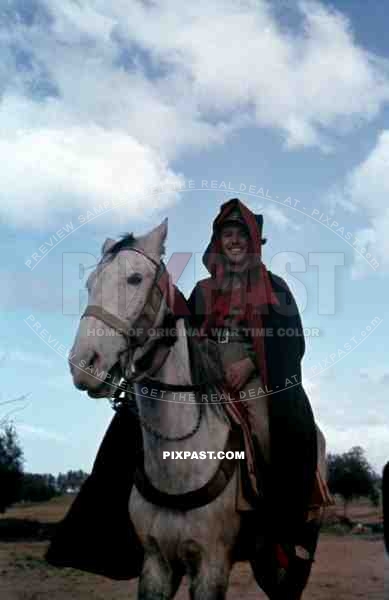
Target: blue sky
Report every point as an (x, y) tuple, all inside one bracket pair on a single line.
[(101, 106)]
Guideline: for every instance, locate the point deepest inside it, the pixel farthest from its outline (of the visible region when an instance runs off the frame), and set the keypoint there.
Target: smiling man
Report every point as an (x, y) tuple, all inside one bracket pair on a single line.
[(246, 309)]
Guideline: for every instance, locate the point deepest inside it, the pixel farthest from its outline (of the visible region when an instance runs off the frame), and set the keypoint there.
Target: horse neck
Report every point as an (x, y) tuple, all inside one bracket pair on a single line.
[(175, 415)]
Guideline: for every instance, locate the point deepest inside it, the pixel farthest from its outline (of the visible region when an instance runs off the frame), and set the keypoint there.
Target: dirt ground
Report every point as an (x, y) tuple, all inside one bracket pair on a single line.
[(347, 567)]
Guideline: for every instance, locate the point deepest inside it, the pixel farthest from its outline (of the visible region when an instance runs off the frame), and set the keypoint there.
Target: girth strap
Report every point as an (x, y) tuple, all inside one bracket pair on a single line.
[(195, 498)]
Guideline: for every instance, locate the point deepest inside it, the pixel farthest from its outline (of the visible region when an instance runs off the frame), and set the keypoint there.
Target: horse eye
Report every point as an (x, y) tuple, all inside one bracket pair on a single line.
[(134, 279)]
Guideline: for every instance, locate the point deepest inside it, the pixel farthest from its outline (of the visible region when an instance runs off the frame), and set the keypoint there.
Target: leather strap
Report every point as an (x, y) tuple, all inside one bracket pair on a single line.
[(158, 291), (195, 498), (93, 310)]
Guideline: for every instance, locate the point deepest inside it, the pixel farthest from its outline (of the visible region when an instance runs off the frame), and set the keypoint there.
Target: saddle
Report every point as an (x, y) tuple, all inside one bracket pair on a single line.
[(207, 366)]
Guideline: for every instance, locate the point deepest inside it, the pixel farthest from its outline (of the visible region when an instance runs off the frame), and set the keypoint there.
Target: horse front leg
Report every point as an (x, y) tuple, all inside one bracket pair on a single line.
[(159, 580), (210, 579)]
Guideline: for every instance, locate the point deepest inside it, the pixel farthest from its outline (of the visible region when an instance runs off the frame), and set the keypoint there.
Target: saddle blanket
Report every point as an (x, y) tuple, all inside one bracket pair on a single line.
[(238, 414)]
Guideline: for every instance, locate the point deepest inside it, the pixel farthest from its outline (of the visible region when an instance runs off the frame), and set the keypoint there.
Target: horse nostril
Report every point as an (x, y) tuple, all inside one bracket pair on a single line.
[(94, 363), (96, 359)]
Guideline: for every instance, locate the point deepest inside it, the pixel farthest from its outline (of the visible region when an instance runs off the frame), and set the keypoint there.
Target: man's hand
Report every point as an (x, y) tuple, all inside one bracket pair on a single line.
[(239, 372)]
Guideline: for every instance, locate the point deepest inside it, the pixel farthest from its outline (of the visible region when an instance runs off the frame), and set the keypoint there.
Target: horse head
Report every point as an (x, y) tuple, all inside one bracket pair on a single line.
[(121, 308)]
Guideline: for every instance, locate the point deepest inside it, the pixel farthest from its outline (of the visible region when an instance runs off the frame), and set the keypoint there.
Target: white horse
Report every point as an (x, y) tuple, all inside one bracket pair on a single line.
[(125, 300)]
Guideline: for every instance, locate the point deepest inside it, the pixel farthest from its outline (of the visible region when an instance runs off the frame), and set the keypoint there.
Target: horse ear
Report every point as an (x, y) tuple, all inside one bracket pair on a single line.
[(154, 242), (108, 244)]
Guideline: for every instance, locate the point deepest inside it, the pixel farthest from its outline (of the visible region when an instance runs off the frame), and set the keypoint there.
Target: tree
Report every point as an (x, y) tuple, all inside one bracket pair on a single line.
[(11, 467), (38, 488), (351, 476), (71, 481)]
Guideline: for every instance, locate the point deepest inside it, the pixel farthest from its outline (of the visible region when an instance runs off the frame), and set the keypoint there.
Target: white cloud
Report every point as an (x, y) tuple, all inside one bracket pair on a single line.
[(373, 437), (235, 56), (28, 431), (366, 191), (347, 419), (272, 213), (103, 97), (79, 167), (279, 217)]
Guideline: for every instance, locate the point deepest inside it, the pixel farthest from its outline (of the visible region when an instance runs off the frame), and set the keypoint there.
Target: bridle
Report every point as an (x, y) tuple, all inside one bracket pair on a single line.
[(159, 291), (150, 310)]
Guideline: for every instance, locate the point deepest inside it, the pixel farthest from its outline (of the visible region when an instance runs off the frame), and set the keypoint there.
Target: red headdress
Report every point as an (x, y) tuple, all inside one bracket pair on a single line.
[(259, 292)]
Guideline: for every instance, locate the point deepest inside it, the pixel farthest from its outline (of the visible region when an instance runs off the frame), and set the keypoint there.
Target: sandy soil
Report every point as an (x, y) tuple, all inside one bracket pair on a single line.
[(347, 567)]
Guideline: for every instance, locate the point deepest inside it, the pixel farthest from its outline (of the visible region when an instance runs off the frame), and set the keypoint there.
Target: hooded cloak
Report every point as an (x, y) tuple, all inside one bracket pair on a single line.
[(278, 342)]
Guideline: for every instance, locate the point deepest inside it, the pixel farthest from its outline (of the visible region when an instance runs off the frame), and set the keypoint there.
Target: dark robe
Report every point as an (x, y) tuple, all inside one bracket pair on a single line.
[(97, 535), (270, 306), (385, 504), (292, 427)]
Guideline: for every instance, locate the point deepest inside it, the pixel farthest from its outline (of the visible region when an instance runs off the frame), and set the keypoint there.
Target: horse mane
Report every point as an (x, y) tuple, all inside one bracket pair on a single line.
[(127, 240)]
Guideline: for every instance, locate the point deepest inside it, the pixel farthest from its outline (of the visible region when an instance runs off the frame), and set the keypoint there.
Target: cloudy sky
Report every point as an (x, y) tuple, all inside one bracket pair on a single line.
[(114, 117)]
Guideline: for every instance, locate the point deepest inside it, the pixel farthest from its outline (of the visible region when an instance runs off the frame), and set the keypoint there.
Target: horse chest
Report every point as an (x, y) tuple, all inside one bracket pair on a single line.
[(216, 523)]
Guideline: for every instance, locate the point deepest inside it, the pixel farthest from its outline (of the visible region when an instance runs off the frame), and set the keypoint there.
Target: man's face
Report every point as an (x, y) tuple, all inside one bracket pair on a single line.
[(235, 242)]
